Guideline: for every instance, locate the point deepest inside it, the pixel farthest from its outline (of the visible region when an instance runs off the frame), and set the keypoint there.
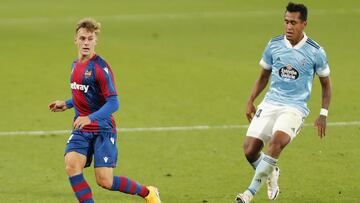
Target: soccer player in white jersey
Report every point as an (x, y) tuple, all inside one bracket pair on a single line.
[(291, 61)]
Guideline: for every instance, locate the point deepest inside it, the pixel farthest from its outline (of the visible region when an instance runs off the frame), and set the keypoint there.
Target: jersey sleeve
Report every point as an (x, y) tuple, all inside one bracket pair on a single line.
[(105, 79), (321, 64), (266, 60), (111, 105), (69, 103)]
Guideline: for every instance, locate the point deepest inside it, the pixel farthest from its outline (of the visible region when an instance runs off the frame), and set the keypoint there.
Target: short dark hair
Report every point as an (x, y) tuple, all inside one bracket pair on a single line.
[(293, 7)]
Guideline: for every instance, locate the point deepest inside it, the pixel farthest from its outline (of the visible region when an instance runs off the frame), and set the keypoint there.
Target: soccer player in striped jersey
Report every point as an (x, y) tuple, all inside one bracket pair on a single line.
[(94, 98), (291, 61)]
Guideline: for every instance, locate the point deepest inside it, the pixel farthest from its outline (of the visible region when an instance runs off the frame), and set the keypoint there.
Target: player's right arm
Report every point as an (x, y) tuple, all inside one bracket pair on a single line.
[(259, 86), (59, 105)]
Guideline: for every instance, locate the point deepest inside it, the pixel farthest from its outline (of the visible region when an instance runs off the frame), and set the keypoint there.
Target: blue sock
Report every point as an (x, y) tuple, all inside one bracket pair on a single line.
[(126, 185), (81, 189), (262, 172)]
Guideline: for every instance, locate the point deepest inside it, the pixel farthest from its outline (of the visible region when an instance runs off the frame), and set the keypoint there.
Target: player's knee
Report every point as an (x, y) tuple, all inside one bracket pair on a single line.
[(275, 148), (104, 181), (278, 143), (72, 169)]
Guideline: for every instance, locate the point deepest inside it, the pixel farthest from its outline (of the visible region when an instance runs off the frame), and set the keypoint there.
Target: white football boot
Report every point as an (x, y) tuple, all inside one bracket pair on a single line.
[(245, 197), (272, 184)]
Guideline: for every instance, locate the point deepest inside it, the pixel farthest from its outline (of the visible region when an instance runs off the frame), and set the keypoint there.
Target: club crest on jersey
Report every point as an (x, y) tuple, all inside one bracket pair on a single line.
[(289, 72), (87, 74), (80, 87)]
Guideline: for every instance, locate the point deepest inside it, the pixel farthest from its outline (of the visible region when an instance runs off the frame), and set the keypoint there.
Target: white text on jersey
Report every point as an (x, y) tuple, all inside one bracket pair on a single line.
[(81, 87)]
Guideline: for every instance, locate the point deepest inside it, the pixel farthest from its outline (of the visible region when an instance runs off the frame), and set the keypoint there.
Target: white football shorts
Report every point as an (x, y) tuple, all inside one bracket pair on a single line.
[(270, 118)]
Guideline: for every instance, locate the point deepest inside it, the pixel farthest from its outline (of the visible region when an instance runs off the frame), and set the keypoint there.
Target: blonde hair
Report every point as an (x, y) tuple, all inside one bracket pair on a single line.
[(89, 24)]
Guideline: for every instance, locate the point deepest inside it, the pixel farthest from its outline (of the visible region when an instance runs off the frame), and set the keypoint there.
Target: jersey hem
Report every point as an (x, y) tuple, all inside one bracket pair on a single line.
[(304, 112)]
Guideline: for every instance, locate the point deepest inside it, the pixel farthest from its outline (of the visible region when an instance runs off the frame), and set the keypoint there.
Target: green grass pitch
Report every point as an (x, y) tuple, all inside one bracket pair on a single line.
[(177, 63)]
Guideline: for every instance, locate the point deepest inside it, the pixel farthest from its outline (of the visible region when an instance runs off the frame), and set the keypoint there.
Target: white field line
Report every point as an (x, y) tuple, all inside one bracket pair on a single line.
[(162, 129), (173, 16)]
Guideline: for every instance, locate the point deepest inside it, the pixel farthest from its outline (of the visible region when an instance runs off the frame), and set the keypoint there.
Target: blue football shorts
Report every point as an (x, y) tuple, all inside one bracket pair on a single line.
[(98, 145)]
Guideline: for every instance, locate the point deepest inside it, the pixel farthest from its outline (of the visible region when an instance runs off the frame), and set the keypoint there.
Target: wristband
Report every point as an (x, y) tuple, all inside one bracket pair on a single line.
[(324, 112)]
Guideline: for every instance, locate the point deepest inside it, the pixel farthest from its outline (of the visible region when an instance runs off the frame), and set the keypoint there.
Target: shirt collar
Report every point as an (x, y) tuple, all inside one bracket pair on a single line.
[(298, 45)]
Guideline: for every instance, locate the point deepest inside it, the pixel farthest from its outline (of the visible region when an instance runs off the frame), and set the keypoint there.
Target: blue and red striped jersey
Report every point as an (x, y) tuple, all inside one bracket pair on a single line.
[(92, 82)]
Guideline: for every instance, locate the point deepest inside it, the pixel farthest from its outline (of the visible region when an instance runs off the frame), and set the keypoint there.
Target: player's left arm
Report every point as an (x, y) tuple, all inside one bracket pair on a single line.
[(323, 71), (320, 122)]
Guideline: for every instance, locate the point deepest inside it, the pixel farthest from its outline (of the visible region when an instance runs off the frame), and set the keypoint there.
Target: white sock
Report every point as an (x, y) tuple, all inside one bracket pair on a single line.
[(262, 172)]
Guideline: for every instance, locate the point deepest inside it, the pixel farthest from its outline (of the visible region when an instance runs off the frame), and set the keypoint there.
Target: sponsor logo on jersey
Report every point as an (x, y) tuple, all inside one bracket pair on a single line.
[(106, 159), (80, 87), (288, 72)]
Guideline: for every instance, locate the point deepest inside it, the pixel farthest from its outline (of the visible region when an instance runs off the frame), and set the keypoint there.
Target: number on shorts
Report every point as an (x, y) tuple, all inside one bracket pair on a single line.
[(258, 113)]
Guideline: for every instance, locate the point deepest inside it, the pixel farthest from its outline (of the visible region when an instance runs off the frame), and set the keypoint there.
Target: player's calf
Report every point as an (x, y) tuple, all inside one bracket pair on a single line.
[(252, 149), (81, 188), (104, 182), (128, 186)]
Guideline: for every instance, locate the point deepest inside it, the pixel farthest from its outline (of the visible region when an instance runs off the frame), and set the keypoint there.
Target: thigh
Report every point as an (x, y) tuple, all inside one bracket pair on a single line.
[(105, 150), (81, 142), (262, 124), (289, 121)]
